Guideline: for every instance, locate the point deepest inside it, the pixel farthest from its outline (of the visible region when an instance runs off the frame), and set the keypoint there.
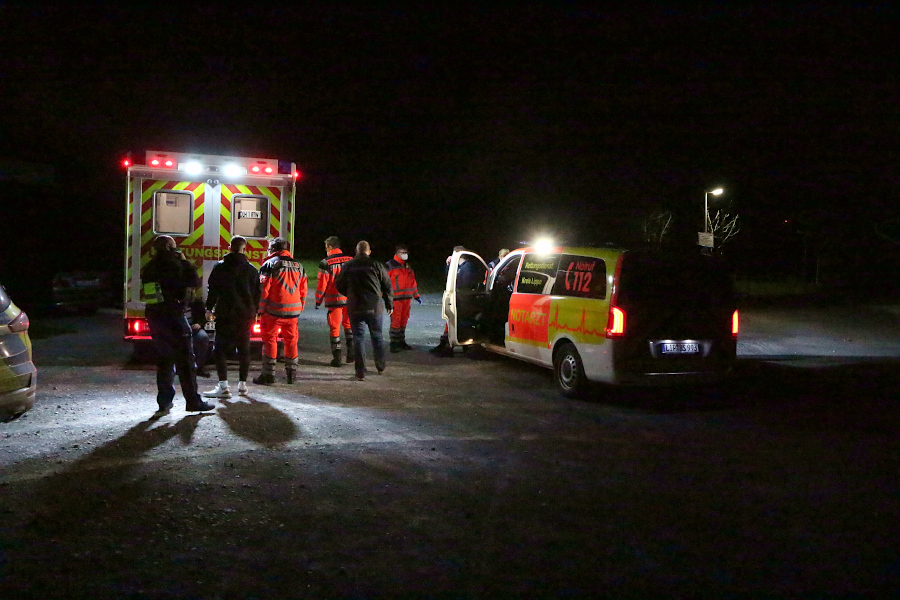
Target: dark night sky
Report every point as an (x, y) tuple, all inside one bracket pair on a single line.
[(475, 126)]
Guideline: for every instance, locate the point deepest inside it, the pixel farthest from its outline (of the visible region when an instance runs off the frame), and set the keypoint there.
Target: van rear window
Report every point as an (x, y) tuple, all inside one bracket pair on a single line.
[(655, 277)]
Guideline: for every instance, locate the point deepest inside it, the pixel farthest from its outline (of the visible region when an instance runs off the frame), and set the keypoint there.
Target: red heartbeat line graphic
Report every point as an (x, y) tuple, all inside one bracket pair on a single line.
[(580, 329)]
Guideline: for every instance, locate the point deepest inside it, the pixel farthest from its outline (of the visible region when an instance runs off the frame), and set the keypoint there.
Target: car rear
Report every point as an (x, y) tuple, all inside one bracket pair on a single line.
[(673, 317), (18, 375)]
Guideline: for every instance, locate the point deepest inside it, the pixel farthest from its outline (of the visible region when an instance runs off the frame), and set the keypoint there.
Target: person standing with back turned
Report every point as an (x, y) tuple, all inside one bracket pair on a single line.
[(283, 298), (335, 302), (233, 297), (365, 283), (167, 278)]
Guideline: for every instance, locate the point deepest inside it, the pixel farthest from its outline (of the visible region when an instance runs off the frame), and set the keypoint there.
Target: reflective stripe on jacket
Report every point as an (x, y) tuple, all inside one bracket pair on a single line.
[(329, 268), (284, 286), (403, 279)]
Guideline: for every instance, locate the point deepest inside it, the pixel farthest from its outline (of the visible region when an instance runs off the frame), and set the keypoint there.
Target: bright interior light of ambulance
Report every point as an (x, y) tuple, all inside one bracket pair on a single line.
[(615, 326), (232, 170), (543, 245), (193, 168), (735, 324)]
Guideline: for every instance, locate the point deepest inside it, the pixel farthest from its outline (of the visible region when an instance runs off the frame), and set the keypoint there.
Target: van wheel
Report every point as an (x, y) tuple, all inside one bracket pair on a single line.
[(568, 371)]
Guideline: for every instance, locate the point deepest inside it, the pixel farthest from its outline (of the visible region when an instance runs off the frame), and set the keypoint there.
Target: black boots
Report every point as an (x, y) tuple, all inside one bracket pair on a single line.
[(443, 349), (336, 358), (396, 347), (264, 379), (289, 377)]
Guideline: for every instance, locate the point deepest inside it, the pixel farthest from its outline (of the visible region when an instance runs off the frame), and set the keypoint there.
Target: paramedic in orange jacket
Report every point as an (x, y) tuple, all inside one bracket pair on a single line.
[(334, 301), (403, 280), (284, 286)]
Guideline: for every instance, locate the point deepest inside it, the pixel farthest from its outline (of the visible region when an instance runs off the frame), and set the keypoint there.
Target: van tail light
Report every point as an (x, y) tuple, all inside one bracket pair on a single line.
[(615, 326), (20, 323), (136, 328), (735, 324), (256, 329)]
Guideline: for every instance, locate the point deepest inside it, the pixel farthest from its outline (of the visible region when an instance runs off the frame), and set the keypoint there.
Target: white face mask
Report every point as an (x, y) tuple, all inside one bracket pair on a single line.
[(403, 256)]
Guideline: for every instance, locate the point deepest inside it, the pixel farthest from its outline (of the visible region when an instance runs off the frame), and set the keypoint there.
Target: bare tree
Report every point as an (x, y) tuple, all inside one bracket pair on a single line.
[(656, 225), (723, 226)]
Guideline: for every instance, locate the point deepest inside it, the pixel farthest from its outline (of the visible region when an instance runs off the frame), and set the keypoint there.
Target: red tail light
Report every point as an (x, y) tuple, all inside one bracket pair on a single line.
[(257, 328), (20, 323), (615, 326), (254, 169), (136, 327), (735, 324)]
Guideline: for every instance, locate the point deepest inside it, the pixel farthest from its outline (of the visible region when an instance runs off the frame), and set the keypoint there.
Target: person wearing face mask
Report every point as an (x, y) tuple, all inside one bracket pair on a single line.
[(403, 281)]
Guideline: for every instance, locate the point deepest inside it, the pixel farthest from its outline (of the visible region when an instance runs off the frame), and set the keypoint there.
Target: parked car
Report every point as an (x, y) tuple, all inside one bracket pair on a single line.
[(80, 292), (613, 314), (18, 375)]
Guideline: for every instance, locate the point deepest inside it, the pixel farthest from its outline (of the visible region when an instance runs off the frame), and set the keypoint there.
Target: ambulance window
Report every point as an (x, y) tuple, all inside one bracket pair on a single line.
[(581, 277), (250, 216), (536, 272), (173, 212)]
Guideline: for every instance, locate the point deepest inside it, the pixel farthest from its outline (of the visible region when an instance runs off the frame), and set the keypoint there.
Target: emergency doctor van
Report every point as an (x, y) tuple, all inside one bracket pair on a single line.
[(599, 314), (202, 201)]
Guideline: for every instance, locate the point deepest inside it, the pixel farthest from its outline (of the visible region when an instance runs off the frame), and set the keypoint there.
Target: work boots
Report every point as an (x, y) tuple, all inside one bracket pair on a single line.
[(395, 347), (336, 352), (267, 377), (444, 349), (290, 368), (348, 340)]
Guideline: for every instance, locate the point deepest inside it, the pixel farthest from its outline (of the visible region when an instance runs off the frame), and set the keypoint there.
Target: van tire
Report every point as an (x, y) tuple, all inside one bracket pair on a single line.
[(568, 372)]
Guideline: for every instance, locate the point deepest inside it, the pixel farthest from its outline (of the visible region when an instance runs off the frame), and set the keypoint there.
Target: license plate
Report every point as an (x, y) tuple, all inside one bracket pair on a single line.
[(210, 326), (680, 348)]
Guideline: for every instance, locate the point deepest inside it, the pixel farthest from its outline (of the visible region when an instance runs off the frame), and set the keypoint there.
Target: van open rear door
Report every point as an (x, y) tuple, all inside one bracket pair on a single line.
[(465, 298)]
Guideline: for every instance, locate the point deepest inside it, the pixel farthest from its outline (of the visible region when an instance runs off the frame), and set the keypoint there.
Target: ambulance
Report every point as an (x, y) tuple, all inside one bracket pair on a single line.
[(202, 201), (611, 314)]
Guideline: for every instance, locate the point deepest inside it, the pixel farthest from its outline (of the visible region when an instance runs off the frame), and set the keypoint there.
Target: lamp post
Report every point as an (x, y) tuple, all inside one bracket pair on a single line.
[(714, 192)]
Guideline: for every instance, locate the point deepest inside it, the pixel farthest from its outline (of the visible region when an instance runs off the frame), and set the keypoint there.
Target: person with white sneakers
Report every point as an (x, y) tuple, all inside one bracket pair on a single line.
[(232, 299)]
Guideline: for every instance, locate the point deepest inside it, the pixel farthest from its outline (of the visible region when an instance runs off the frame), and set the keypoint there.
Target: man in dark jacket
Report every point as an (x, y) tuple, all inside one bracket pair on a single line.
[(166, 280), (233, 298), (365, 283)]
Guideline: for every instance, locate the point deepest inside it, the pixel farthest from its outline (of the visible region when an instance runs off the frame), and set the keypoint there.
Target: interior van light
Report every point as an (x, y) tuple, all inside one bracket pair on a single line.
[(232, 171), (193, 168)]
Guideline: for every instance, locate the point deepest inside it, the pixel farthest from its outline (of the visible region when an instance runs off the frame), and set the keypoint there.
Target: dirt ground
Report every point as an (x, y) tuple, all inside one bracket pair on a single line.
[(467, 477)]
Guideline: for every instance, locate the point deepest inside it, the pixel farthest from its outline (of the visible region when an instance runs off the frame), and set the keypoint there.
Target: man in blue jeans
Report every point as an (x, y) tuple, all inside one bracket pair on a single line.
[(366, 284)]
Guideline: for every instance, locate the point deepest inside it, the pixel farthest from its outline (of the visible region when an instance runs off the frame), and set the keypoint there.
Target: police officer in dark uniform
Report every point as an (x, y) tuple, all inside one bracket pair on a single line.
[(166, 280)]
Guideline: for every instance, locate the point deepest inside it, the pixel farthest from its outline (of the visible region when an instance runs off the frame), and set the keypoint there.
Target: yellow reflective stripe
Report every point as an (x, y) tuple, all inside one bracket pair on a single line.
[(275, 203), (152, 293)]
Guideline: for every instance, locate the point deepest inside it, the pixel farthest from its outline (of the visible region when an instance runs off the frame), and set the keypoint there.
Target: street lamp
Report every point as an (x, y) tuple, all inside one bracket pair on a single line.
[(714, 192)]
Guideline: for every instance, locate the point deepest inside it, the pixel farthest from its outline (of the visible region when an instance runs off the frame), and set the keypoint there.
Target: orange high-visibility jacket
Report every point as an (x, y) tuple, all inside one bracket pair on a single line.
[(403, 279), (328, 269), (284, 286)]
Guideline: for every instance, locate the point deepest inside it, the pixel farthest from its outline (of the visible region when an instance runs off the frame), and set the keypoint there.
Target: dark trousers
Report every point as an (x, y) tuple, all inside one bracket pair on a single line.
[(172, 339), (373, 321), (231, 335), (200, 339)]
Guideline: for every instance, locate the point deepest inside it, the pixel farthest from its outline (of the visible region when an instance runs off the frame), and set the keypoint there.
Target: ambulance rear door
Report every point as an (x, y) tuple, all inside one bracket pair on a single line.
[(465, 298)]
